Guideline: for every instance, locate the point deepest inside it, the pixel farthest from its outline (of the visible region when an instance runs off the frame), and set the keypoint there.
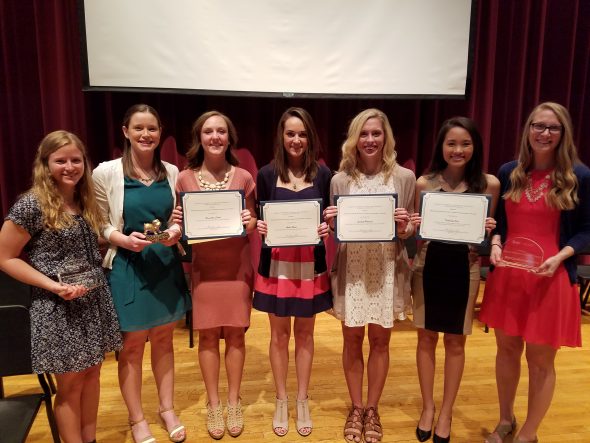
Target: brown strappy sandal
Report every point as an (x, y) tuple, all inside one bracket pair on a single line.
[(501, 432), (353, 428), (372, 425)]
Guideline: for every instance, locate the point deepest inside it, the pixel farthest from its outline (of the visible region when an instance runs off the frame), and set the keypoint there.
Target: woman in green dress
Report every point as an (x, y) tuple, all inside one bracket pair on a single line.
[(147, 281)]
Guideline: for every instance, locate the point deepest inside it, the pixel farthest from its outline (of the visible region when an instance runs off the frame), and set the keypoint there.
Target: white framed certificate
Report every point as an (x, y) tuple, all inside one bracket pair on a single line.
[(454, 217), (291, 222), (212, 214), (365, 217)]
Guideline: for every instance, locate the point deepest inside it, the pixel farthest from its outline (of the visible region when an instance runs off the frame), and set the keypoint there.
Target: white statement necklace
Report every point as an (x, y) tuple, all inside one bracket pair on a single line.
[(217, 186), (534, 194)]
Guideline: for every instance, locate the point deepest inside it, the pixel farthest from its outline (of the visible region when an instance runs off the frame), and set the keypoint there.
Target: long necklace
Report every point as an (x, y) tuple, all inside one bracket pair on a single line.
[(217, 186), (534, 194)]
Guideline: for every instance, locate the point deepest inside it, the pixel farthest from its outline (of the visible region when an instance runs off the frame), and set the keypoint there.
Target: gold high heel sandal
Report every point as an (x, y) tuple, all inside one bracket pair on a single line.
[(235, 418), (215, 424), (177, 434), (146, 439)]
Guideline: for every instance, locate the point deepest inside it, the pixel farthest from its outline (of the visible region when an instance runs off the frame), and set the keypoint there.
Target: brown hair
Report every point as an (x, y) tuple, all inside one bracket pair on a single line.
[(310, 160), (196, 154), (127, 160)]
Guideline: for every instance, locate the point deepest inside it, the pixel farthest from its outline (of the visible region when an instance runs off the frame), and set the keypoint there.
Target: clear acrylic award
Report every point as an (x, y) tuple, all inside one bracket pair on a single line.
[(522, 253)]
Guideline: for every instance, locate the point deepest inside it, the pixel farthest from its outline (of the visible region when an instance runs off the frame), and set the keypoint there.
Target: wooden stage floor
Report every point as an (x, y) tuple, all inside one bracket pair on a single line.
[(475, 413)]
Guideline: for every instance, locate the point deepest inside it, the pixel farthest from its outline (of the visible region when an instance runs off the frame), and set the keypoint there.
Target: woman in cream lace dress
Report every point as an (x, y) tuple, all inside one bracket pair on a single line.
[(370, 281)]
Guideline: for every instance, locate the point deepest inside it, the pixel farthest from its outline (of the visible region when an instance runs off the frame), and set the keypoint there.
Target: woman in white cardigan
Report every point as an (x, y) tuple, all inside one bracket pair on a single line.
[(147, 281)]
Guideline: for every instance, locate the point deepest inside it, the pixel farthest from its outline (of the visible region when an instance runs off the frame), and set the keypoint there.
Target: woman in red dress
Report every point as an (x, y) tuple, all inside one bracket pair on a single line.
[(546, 199)]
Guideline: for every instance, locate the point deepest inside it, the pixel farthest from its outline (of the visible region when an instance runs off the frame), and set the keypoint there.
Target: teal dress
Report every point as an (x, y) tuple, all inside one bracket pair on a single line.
[(149, 288)]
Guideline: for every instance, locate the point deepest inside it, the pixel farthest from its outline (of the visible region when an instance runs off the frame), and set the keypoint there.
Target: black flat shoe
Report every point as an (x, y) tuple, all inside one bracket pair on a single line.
[(422, 435)]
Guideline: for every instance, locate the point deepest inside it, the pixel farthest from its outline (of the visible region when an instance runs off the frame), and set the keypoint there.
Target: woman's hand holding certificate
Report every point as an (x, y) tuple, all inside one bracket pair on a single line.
[(365, 217), (453, 217), (213, 214), (291, 223)]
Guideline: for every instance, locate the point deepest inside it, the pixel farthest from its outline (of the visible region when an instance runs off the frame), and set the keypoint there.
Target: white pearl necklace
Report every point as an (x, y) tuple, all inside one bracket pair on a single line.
[(217, 186)]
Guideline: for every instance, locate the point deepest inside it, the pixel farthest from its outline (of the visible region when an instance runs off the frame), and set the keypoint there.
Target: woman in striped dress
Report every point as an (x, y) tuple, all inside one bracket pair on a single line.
[(293, 281)]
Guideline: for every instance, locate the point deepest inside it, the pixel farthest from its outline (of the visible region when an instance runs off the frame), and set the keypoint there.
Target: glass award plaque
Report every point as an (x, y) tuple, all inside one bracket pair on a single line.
[(152, 232), (75, 273), (522, 253)]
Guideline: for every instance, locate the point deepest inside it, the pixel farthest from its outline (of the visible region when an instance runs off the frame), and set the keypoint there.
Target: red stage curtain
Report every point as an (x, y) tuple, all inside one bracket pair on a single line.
[(525, 52)]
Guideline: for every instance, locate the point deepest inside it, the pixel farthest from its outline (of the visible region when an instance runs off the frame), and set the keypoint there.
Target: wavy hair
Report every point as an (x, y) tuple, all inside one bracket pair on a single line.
[(47, 193), (157, 165), (563, 194), (473, 175), (196, 153), (310, 157), (349, 162)]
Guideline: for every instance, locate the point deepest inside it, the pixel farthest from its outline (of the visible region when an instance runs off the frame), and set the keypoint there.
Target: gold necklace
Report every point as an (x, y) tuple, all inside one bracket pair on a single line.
[(294, 180), (217, 186), (534, 194), (144, 177)]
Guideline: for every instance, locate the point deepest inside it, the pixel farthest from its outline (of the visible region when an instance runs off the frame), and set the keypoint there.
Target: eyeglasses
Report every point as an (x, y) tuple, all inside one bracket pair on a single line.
[(539, 128)]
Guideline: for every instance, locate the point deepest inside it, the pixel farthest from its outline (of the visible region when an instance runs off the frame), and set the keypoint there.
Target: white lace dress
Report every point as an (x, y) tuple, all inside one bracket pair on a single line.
[(370, 267)]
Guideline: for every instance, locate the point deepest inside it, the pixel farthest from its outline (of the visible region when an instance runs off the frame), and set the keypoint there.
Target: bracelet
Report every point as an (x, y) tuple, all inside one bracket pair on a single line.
[(497, 244)]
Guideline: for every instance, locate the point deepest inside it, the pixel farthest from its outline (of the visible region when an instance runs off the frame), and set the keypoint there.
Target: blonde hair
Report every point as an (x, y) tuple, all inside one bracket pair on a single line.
[(349, 162), (47, 193), (563, 194)]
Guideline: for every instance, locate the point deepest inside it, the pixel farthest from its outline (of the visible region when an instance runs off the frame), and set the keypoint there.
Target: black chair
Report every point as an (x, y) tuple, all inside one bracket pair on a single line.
[(17, 413), (186, 261), (483, 251), (14, 292), (583, 273)]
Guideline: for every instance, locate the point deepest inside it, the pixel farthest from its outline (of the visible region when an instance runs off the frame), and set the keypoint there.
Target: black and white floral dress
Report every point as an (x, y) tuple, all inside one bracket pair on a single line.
[(66, 335)]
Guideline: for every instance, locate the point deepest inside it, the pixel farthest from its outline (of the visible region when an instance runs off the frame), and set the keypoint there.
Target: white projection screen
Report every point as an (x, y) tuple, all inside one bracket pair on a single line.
[(291, 48)]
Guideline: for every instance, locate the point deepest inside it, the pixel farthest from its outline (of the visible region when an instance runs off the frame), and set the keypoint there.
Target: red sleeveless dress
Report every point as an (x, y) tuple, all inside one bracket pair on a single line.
[(541, 310)]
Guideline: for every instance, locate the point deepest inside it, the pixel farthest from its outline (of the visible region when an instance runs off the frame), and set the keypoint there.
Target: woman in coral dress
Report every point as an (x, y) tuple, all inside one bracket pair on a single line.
[(546, 199), (222, 275)]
